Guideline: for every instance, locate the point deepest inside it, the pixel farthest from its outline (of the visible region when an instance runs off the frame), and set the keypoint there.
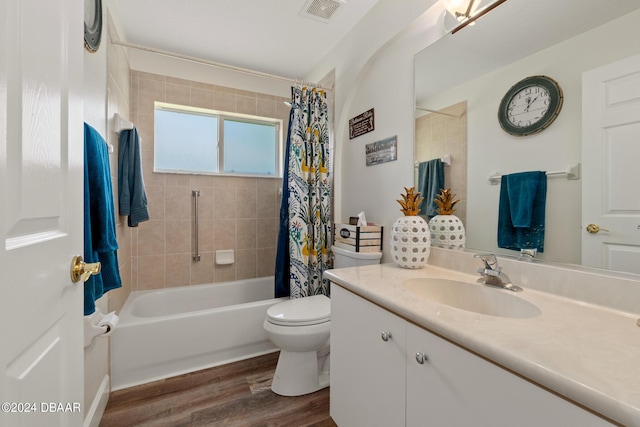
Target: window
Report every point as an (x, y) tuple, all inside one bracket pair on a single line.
[(200, 141)]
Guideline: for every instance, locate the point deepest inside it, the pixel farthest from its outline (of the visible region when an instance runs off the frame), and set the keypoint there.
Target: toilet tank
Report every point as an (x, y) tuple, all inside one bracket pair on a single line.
[(346, 258)]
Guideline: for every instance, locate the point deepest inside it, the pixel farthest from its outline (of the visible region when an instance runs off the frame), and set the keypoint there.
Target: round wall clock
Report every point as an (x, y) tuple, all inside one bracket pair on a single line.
[(530, 106), (92, 24)]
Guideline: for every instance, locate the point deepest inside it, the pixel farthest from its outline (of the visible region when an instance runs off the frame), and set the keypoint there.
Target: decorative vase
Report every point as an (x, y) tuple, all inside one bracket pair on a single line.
[(447, 231), (410, 242)]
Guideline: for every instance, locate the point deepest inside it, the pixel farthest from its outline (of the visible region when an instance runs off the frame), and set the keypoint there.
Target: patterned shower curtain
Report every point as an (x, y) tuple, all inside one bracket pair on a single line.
[(305, 211)]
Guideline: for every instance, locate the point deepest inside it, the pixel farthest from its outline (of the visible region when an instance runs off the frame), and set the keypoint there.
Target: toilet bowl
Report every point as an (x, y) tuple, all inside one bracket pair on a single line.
[(300, 328)]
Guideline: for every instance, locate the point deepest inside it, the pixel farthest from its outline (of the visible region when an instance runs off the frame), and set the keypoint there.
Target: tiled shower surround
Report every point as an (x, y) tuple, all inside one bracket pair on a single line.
[(238, 213), (437, 135)]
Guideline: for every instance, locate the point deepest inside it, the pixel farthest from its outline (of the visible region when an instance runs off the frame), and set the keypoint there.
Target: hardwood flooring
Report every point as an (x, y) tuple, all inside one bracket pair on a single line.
[(233, 395)]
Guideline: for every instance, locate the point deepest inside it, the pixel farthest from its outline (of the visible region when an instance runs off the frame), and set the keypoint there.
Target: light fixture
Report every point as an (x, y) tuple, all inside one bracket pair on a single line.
[(461, 9), (466, 12)]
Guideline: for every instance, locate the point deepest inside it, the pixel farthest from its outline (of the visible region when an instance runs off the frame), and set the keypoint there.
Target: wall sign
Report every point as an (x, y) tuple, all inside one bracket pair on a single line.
[(382, 151), (361, 124)]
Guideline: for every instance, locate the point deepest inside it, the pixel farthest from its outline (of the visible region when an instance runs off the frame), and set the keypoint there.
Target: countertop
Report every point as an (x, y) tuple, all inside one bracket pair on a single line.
[(590, 354)]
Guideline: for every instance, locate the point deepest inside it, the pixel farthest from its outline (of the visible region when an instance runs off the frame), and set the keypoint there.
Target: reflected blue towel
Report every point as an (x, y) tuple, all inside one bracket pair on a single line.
[(430, 182), (132, 195), (100, 243), (521, 215)]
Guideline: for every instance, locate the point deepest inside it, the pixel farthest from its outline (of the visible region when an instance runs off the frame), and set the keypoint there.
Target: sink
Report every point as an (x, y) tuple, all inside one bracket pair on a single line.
[(472, 297)]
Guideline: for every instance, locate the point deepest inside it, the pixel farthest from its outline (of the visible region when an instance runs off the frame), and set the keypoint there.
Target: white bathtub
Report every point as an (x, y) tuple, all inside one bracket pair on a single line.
[(168, 332)]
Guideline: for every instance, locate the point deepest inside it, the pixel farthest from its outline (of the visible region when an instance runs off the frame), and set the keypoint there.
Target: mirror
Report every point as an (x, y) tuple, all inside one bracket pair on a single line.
[(443, 135), (479, 64)]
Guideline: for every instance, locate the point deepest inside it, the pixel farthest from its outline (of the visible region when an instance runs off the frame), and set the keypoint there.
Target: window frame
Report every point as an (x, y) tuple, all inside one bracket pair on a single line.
[(221, 116)]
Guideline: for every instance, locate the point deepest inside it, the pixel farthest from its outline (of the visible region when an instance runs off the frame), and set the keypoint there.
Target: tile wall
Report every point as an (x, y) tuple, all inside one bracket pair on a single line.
[(238, 213), (437, 135)]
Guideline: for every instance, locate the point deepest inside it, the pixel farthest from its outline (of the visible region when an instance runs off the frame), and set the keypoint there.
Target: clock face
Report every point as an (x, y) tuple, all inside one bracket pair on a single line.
[(530, 106)]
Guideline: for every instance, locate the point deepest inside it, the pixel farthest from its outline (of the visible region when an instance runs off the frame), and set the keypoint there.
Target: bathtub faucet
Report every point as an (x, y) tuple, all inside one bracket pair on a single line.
[(492, 274)]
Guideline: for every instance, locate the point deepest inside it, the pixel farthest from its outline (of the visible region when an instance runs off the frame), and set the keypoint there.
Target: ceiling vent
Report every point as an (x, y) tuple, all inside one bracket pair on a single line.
[(321, 10)]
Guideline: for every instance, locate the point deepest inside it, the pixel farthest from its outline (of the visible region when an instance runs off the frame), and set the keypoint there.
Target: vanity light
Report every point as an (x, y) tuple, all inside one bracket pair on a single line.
[(461, 9), (468, 11)]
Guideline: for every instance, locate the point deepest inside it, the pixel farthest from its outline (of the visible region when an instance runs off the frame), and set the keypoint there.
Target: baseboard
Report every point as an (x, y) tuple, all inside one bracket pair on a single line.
[(94, 414)]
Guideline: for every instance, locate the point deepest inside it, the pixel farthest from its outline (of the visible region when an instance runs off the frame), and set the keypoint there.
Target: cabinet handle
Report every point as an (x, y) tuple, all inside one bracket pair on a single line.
[(421, 358), (385, 336)]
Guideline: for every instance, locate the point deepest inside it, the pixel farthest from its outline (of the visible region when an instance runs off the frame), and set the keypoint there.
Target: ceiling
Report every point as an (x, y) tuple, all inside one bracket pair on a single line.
[(270, 36), (276, 37), (514, 30)]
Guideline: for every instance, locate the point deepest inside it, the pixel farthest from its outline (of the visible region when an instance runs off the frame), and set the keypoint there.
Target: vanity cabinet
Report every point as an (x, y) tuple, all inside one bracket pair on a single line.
[(367, 363), (450, 386), (418, 379)]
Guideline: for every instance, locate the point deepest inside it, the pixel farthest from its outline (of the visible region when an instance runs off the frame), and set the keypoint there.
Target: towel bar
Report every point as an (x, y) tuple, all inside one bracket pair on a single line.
[(121, 124), (445, 159), (571, 172)]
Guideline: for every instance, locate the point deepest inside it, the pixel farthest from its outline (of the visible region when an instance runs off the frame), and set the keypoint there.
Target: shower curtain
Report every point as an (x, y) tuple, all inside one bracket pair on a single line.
[(305, 212)]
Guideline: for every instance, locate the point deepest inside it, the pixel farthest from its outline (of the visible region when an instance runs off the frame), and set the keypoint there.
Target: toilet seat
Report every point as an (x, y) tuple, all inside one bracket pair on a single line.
[(301, 311)]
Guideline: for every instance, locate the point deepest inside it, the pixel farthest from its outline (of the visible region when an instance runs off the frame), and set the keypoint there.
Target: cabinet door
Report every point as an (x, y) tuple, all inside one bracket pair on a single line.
[(367, 372), (457, 388)]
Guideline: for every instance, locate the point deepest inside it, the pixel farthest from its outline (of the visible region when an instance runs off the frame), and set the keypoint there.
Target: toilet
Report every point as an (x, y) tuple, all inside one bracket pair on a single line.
[(300, 327), (345, 258)]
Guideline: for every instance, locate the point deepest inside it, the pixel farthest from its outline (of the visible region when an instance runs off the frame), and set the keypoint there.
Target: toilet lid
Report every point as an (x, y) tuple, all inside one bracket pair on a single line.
[(301, 311)]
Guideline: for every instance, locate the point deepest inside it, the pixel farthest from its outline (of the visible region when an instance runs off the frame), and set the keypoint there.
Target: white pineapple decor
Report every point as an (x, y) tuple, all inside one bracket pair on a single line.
[(410, 241), (447, 231)]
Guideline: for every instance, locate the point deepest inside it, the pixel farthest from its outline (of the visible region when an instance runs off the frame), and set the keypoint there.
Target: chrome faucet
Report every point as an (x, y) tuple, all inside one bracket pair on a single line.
[(492, 274)]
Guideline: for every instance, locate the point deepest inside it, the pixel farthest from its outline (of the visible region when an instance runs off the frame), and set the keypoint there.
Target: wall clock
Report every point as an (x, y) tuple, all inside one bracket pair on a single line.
[(92, 24), (530, 106)]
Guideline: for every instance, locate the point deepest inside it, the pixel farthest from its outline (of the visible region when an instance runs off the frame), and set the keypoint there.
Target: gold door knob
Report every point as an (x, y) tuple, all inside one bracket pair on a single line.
[(593, 228), (81, 270)]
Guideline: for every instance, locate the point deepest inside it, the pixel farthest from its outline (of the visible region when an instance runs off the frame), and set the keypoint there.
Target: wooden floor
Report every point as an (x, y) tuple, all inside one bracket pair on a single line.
[(236, 394)]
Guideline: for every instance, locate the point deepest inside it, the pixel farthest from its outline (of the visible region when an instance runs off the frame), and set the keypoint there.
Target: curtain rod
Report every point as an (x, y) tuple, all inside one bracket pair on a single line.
[(215, 64)]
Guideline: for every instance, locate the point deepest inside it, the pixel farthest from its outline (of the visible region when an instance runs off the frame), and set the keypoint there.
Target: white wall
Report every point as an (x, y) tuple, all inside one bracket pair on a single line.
[(149, 62), (95, 83), (491, 150), (96, 98), (374, 69), (96, 356)]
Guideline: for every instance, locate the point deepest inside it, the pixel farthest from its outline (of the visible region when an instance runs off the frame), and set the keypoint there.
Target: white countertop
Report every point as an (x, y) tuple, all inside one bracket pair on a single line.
[(587, 353)]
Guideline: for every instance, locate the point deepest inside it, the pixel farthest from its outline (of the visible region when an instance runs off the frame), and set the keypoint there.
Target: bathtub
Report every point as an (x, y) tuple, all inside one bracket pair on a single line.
[(168, 332)]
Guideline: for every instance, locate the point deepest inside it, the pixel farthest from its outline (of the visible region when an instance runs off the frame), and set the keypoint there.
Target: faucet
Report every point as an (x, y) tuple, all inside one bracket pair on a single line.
[(492, 274)]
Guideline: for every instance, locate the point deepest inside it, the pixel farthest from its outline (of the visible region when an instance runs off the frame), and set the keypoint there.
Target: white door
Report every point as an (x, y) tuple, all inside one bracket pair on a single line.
[(611, 166), (41, 193)]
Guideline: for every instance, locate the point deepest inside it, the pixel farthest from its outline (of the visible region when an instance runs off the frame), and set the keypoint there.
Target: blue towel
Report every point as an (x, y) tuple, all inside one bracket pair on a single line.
[(100, 243), (132, 195), (430, 182), (521, 215), (283, 258)]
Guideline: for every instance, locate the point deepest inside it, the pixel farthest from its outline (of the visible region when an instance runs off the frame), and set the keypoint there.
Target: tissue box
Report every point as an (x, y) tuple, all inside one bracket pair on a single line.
[(358, 239)]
